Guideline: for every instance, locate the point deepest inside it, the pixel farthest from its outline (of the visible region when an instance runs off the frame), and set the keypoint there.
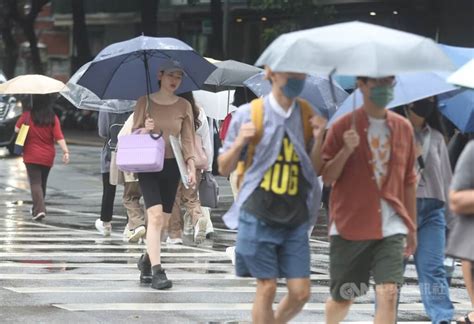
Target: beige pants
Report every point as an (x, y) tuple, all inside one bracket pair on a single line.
[(131, 201)]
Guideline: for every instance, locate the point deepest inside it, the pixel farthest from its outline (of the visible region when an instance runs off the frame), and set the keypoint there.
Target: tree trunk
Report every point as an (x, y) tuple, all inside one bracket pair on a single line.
[(149, 16), (216, 41), (10, 45), (82, 51)]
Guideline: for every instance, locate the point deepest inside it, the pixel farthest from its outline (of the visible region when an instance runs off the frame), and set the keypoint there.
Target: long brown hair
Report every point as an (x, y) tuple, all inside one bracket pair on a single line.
[(42, 112), (189, 97)]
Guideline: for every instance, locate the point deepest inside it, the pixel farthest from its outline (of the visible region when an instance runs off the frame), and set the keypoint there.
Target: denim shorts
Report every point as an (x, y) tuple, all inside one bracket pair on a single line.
[(269, 252)]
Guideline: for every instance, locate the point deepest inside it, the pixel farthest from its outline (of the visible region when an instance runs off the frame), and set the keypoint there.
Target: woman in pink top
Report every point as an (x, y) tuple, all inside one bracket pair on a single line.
[(39, 151)]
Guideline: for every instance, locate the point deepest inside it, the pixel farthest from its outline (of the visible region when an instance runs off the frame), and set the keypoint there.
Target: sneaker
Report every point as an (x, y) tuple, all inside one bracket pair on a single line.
[(230, 252), (126, 233), (144, 265), (188, 224), (174, 241), (105, 230), (200, 230), (39, 216), (137, 234), (160, 280)]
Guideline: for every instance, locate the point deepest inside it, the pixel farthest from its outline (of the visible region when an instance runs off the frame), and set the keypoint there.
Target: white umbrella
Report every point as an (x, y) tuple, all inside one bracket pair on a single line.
[(215, 104), (354, 49), (464, 77), (32, 84)]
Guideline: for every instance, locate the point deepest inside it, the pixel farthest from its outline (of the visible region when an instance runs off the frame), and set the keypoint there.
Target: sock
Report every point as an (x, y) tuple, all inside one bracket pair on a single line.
[(156, 268)]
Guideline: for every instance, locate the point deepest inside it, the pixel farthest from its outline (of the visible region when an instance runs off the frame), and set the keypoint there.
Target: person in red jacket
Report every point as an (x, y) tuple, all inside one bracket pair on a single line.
[(39, 151)]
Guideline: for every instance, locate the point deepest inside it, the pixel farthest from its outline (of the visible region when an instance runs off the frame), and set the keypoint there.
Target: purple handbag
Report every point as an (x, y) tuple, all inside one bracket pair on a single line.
[(141, 152)]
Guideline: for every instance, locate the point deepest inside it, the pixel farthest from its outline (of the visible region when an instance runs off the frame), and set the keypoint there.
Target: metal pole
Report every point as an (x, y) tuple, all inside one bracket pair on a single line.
[(225, 27)]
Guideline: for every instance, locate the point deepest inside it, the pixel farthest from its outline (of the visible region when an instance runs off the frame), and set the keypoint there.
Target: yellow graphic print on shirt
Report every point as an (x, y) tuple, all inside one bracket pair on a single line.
[(282, 178)]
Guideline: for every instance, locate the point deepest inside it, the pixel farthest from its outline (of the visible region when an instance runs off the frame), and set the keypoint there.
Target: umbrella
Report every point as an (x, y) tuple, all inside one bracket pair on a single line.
[(128, 70), (459, 109), (409, 88), (228, 75), (464, 77), (458, 106), (216, 105), (354, 49), (32, 84), (83, 98), (316, 90)]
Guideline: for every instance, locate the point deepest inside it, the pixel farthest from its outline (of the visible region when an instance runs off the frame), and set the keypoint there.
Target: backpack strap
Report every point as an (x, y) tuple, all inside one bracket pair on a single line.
[(306, 114)]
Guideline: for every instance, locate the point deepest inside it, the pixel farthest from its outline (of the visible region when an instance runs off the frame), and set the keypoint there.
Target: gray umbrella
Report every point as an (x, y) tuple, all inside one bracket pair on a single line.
[(229, 75)]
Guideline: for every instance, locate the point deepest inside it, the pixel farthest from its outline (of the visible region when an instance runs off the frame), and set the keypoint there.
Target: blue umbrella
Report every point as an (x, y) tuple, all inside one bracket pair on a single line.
[(458, 107), (409, 88), (129, 69), (316, 90)]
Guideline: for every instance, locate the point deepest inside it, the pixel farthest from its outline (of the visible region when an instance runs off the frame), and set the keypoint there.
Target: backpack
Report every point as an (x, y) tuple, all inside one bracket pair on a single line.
[(256, 115)]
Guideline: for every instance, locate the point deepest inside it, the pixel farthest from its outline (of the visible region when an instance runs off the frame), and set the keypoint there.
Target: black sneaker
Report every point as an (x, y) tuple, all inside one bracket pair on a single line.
[(144, 265), (160, 281)]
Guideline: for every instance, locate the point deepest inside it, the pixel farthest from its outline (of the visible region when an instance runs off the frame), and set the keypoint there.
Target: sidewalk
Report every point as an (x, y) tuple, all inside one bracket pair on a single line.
[(80, 137)]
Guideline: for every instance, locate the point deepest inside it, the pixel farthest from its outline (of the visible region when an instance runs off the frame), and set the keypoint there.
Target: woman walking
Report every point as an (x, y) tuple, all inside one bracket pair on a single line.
[(39, 151), (461, 201), (189, 197), (171, 115), (432, 212)]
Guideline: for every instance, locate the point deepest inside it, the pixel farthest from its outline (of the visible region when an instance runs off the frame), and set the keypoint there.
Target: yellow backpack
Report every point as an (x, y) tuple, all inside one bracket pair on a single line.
[(256, 115)]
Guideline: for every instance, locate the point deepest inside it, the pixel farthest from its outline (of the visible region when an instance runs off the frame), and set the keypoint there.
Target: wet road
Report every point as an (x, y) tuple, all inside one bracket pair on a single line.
[(61, 270)]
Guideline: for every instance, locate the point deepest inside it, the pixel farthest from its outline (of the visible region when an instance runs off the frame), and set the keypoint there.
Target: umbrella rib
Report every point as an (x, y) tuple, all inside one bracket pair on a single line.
[(113, 73)]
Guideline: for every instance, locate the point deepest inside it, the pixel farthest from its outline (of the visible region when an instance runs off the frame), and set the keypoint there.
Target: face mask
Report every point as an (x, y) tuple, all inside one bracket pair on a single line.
[(293, 87), (423, 108), (381, 95)]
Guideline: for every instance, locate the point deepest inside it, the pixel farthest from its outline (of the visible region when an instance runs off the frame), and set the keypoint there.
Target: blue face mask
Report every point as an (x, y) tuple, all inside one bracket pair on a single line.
[(293, 87)]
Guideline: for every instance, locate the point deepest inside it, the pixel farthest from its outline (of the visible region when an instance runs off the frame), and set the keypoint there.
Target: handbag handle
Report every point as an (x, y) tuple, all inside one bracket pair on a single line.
[(154, 136)]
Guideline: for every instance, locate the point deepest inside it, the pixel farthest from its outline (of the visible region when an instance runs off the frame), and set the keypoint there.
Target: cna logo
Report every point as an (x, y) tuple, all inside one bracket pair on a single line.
[(351, 290)]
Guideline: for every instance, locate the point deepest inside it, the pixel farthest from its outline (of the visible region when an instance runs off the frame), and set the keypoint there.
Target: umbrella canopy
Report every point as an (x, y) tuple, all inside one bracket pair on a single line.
[(316, 90), (216, 105), (458, 107), (228, 75), (464, 77), (83, 98), (458, 55), (409, 88), (32, 84), (129, 69), (354, 49)]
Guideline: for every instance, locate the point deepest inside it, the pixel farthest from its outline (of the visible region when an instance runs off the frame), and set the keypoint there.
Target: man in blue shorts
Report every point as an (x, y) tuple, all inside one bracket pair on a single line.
[(279, 196)]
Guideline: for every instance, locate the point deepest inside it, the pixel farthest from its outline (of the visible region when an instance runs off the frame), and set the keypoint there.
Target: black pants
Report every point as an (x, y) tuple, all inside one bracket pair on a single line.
[(108, 197), (38, 177)]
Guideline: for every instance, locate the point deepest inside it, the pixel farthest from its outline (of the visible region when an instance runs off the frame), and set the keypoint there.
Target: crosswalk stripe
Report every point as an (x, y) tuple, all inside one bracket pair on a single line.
[(160, 307), (196, 265), (174, 290), (219, 255), (88, 246), (128, 276)]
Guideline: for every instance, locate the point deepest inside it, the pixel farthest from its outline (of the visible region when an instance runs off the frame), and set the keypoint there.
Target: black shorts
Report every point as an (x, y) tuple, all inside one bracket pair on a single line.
[(159, 188)]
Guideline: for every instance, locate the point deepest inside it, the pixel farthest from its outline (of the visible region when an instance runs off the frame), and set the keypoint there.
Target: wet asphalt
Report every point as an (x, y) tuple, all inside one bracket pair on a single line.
[(60, 270)]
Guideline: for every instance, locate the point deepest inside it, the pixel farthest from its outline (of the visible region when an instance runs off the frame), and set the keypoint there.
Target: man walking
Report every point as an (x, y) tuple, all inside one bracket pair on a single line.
[(369, 158), (276, 203)]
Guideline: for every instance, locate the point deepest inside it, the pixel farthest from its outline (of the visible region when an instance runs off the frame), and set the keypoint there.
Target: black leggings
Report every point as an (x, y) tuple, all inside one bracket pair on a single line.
[(159, 188), (108, 197)]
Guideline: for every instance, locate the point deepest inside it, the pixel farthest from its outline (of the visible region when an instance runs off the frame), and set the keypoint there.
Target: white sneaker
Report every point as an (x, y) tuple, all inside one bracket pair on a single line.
[(174, 241), (104, 230), (137, 234), (126, 233), (200, 230), (39, 216), (230, 252)]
